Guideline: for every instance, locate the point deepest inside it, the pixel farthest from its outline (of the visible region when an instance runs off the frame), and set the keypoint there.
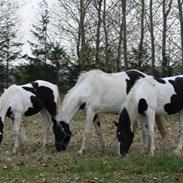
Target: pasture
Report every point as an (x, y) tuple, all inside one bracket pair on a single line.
[(94, 166)]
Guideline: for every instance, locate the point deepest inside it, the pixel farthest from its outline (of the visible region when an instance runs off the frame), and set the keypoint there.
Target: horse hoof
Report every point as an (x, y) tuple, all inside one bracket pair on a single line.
[(177, 152), (80, 152), (14, 153), (144, 151)]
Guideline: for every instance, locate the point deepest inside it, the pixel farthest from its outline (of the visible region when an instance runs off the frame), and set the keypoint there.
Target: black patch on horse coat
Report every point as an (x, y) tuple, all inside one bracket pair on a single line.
[(37, 104), (1, 130), (29, 89), (134, 76), (142, 106), (98, 124), (62, 135), (176, 100), (95, 117), (124, 134), (43, 97), (35, 85), (160, 80), (82, 107), (47, 95), (9, 113)]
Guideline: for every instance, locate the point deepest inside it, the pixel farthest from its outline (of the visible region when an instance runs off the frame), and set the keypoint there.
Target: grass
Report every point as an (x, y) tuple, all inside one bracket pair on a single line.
[(131, 168), (94, 166)]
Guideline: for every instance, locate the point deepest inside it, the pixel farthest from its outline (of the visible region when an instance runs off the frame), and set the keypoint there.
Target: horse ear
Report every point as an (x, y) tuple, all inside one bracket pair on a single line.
[(116, 124)]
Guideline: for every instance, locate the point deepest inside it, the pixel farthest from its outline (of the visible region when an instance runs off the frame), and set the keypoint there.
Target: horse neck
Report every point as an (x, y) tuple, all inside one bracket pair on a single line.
[(68, 109), (131, 106)]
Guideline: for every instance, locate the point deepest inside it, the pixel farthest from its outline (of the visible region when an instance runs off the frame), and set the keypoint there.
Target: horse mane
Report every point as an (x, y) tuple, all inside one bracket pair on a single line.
[(82, 76), (6, 95), (85, 74)]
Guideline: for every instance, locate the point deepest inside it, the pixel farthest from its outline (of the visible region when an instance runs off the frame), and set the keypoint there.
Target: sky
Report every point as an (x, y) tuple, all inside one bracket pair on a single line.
[(28, 12)]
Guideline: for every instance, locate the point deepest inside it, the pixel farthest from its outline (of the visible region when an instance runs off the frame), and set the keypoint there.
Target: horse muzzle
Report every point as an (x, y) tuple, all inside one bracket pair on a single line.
[(60, 147), (122, 150)]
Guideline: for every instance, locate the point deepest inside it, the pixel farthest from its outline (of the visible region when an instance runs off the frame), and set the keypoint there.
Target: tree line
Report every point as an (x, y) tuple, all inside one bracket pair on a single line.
[(71, 36)]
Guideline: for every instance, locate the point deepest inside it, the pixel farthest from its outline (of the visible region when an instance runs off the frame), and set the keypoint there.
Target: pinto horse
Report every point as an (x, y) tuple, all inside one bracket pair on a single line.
[(150, 96), (95, 91), (26, 100)]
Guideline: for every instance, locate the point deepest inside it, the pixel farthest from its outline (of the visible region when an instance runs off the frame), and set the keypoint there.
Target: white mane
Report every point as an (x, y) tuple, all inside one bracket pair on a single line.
[(8, 93), (81, 77), (85, 74)]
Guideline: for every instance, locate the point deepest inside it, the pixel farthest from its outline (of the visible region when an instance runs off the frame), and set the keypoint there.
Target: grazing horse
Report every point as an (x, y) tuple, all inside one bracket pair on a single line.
[(95, 91), (150, 96), (26, 100)]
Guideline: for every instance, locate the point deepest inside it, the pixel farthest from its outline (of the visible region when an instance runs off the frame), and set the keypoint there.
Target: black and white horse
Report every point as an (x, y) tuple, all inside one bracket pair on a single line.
[(95, 91), (150, 96), (26, 100)]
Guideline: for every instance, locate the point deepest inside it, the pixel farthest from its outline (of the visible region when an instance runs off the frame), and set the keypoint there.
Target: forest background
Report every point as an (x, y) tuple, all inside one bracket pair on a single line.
[(71, 36)]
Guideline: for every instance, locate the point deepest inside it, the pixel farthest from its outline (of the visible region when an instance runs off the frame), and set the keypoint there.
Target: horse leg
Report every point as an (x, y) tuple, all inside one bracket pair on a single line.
[(180, 143), (151, 124), (22, 137), (160, 125), (16, 129), (46, 123), (98, 131), (143, 122), (89, 118)]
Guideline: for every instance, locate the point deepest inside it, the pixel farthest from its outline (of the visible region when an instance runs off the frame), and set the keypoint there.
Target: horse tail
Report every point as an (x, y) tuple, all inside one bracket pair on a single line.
[(160, 125)]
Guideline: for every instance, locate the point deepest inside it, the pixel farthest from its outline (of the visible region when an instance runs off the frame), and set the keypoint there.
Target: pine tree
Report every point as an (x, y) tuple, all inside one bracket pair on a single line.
[(48, 56), (40, 48), (10, 48)]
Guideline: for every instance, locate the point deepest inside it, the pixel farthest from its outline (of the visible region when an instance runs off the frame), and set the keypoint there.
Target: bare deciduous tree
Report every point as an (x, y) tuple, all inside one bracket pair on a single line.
[(164, 36), (123, 3), (152, 36), (141, 32), (181, 25)]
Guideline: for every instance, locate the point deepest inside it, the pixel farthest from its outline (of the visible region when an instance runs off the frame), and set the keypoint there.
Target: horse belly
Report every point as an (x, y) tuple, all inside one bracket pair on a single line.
[(112, 103)]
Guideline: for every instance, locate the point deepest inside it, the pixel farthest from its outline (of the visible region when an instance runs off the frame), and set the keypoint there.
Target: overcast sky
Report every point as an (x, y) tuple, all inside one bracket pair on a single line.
[(28, 13)]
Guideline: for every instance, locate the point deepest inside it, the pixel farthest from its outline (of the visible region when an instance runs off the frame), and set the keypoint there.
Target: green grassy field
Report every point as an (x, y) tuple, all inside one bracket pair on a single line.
[(94, 166)]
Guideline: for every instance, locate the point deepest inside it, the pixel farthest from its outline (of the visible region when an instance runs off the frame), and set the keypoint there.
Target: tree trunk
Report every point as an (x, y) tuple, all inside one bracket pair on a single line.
[(99, 21), (152, 37), (81, 36), (118, 67), (181, 26), (141, 34), (106, 40), (123, 2), (45, 45), (7, 59), (164, 35)]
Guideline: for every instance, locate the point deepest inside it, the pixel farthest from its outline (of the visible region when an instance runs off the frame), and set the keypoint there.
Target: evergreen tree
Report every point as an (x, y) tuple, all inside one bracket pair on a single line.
[(10, 48), (40, 48), (48, 57)]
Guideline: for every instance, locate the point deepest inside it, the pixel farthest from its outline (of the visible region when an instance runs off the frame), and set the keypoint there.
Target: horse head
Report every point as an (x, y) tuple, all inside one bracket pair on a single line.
[(124, 133), (62, 135)]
